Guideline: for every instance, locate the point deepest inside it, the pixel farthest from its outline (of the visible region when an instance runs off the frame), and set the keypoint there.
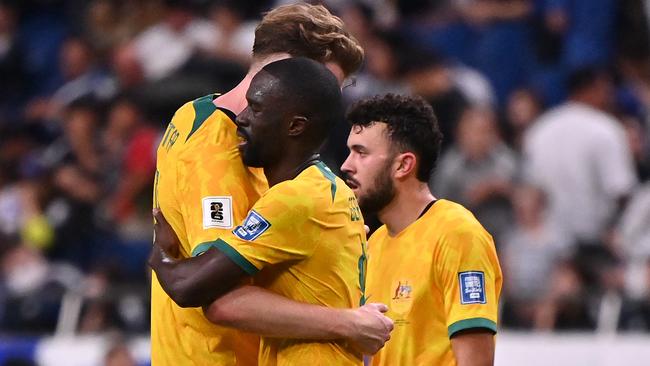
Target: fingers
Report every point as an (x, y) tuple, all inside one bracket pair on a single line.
[(390, 325), (379, 306), (157, 214), (366, 228)]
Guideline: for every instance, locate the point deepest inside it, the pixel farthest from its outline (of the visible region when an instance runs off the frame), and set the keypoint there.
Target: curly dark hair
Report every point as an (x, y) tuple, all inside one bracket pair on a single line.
[(411, 125)]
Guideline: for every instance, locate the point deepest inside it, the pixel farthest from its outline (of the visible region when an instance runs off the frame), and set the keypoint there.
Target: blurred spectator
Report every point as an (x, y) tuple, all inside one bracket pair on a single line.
[(478, 171), (83, 78), (578, 154), (637, 139), (500, 46), (130, 154), (381, 73), (166, 46), (126, 68), (636, 315), (529, 254), (565, 306), (235, 34), (428, 76), (75, 184), (522, 109), (119, 355), (587, 29), (12, 66)]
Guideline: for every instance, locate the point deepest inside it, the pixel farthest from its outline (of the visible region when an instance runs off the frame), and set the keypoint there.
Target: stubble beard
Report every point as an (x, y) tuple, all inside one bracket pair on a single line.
[(380, 195)]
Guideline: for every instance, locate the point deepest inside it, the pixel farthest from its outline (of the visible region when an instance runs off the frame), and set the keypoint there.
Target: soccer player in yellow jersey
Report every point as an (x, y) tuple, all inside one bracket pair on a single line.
[(431, 262), (304, 238), (204, 190)]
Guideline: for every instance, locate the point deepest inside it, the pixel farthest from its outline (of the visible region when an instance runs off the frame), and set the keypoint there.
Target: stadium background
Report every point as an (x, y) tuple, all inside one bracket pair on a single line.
[(88, 86)]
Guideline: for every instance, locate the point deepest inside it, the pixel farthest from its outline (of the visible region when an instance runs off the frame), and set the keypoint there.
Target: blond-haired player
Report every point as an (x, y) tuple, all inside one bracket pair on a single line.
[(203, 189), (431, 262)]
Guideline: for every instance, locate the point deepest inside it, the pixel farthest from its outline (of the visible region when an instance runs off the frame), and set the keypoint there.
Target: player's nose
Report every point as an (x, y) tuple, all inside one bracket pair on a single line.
[(242, 118), (346, 167)]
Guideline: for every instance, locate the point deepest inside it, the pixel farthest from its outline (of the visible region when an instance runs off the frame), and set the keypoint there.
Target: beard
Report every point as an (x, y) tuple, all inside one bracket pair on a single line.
[(380, 195), (251, 154)]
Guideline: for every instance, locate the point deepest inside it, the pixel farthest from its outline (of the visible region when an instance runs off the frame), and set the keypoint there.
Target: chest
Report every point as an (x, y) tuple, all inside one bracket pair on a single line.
[(400, 278)]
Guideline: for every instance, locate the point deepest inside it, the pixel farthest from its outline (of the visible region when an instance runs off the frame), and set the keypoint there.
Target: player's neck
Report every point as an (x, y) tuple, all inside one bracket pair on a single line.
[(289, 167), (406, 207), (235, 99)]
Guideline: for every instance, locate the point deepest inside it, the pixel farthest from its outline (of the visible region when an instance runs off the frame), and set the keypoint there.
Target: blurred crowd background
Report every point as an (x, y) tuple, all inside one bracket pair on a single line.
[(545, 107)]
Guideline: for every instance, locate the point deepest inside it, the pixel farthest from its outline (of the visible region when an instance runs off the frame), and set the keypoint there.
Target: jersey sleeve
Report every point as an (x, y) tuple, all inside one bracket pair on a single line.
[(469, 277), (279, 228), (215, 193)]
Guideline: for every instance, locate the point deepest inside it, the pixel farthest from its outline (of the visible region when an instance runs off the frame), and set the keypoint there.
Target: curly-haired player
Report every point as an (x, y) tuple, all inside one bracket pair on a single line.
[(431, 262)]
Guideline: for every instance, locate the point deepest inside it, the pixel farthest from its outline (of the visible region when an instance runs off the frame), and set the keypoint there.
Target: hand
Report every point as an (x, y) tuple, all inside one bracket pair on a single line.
[(371, 329), (164, 236)]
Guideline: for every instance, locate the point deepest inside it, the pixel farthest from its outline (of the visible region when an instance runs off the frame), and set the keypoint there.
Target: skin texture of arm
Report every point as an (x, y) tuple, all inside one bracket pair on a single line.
[(474, 347), (253, 309), (196, 281)]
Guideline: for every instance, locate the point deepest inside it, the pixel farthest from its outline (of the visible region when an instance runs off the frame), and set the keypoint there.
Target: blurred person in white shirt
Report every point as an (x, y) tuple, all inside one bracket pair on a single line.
[(579, 155)]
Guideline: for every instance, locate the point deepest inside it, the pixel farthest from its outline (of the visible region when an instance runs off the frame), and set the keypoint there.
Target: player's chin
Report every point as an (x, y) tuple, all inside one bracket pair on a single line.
[(250, 159)]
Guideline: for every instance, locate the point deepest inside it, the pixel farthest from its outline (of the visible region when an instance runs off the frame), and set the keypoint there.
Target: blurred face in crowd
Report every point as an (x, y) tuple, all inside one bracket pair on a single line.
[(369, 166), (601, 93), (528, 204), (126, 66), (380, 60), (477, 133), (80, 124), (122, 118), (522, 108), (75, 58)]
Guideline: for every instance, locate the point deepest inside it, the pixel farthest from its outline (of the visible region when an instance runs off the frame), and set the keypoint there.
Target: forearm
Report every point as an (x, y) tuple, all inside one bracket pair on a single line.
[(253, 309), (191, 282)]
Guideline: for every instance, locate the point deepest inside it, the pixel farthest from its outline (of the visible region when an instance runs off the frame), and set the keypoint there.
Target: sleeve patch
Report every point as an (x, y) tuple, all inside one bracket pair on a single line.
[(472, 287), (217, 212), (254, 226)]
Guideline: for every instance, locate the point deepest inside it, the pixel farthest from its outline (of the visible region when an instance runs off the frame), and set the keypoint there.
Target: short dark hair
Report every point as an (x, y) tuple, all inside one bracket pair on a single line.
[(584, 78), (411, 125), (311, 90)]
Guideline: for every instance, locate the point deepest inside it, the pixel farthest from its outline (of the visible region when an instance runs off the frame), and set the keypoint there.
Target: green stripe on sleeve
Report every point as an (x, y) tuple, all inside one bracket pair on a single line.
[(229, 251), (471, 324)]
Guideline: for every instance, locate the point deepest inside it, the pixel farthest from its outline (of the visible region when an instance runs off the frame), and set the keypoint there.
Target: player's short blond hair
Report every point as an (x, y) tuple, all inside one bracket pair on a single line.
[(308, 31)]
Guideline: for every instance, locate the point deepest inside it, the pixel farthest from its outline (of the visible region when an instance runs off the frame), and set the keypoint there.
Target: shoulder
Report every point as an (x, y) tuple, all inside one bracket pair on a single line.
[(458, 224), (377, 237)]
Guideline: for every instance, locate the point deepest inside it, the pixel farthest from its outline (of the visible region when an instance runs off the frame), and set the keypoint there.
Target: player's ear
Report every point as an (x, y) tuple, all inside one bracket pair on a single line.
[(406, 164), (297, 125)]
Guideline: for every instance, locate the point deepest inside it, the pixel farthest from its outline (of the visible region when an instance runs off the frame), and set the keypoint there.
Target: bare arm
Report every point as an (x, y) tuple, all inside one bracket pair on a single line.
[(253, 309), (473, 347), (196, 281)]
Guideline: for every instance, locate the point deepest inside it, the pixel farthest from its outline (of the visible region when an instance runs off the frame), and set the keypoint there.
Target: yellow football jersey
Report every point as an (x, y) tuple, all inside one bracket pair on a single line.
[(304, 239), (203, 189), (438, 276)]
